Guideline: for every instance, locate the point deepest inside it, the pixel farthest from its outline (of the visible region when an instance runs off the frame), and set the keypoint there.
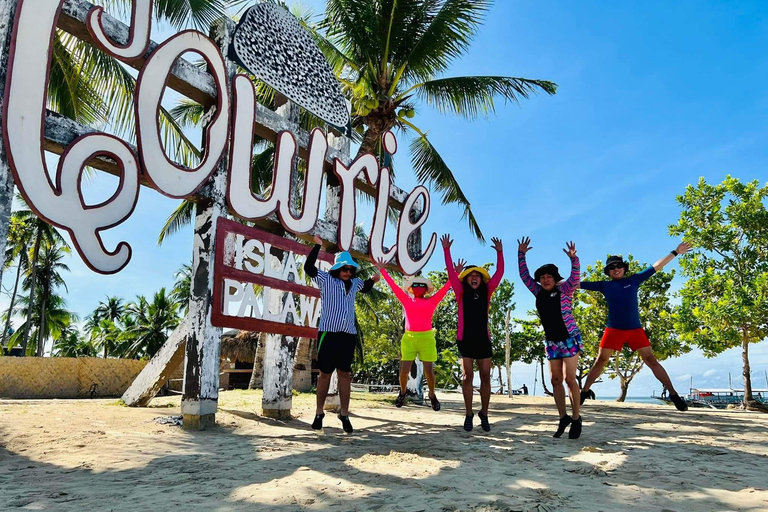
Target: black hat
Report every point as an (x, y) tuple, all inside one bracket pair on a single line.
[(615, 259), (550, 269)]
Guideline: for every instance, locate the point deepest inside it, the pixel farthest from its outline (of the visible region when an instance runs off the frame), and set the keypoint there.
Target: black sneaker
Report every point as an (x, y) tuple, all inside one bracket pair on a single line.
[(484, 422), (564, 422), (468, 422), (587, 394), (575, 430), (346, 424), (400, 400), (318, 423), (679, 402), (435, 403)]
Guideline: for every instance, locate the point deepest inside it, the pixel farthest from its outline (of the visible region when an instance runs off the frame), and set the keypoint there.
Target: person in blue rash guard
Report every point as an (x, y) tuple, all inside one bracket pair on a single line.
[(624, 325)]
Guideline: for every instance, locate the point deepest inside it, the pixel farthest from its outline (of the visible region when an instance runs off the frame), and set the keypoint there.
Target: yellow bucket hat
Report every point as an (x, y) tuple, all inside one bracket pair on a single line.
[(473, 268)]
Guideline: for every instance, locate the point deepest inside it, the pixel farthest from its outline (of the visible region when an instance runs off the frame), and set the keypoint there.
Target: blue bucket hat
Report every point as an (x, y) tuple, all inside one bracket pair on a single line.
[(344, 259)]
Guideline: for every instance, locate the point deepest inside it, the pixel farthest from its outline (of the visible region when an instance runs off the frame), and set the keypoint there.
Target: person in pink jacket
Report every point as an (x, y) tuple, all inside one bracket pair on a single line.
[(419, 338), (473, 287)]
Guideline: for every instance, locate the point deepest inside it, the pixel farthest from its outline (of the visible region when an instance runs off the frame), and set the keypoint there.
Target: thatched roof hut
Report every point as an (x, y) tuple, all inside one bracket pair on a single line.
[(239, 346)]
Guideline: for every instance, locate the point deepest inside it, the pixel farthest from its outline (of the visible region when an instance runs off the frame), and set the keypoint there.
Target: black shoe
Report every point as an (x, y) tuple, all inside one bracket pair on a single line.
[(468, 422), (564, 422), (435, 403), (400, 400), (587, 394), (575, 430), (484, 422), (318, 423), (346, 424), (679, 402)]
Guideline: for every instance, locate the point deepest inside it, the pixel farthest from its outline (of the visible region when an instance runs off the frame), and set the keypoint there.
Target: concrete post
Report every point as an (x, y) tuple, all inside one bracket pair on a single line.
[(7, 13), (200, 396)]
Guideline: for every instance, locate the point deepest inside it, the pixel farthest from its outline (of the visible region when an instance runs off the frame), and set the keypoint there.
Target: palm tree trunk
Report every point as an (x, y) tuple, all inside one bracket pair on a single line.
[(370, 141), (40, 349), (32, 289), (624, 388), (13, 298)]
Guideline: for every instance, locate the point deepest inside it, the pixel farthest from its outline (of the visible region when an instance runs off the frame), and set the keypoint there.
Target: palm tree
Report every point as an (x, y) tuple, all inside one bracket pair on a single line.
[(391, 56), (48, 274), (182, 288), (154, 321), (72, 343), (106, 334), (57, 319), (19, 234)]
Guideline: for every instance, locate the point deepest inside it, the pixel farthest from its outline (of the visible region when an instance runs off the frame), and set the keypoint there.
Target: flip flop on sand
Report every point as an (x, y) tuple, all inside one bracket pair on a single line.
[(468, 422), (575, 430), (346, 423), (564, 422), (318, 423)]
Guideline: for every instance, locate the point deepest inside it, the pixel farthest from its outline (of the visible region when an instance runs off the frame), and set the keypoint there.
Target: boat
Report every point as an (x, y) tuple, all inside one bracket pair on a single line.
[(716, 398)]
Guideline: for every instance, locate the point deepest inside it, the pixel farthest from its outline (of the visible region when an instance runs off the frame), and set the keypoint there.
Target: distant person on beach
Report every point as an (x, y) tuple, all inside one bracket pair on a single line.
[(624, 320), (554, 300), (473, 287), (419, 338), (337, 337), (524, 389)]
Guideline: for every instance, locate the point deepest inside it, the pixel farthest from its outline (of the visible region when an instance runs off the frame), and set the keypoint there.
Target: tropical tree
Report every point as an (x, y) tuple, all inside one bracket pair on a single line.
[(527, 344), (153, 323), (71, 343), (725, 299), (657, 314), (182, 288), (49, 279), (16, 247), (57, 318)]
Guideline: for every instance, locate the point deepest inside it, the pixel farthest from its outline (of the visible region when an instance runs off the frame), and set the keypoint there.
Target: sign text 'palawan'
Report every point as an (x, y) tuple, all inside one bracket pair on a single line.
[(60, 201)]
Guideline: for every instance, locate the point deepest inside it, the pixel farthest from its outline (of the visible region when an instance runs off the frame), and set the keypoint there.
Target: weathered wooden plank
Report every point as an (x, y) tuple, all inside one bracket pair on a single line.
[(196, 84), (159, 369)]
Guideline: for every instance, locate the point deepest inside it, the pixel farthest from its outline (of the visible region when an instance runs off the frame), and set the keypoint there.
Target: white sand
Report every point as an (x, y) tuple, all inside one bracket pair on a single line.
[(96, 456)]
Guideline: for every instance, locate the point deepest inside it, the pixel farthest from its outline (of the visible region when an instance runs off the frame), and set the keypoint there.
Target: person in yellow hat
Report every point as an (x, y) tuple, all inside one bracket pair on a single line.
[(473, 287), (419, 338)]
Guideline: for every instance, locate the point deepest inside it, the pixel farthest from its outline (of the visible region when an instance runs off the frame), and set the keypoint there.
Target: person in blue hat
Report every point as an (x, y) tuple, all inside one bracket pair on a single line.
[(337, 335)]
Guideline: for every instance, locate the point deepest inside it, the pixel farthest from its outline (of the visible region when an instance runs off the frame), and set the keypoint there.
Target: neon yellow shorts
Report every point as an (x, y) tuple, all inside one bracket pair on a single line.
[(422, 344)]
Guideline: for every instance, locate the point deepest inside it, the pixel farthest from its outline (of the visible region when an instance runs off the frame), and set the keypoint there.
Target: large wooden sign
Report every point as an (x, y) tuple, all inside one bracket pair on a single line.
[(252, 270), (57, 196)]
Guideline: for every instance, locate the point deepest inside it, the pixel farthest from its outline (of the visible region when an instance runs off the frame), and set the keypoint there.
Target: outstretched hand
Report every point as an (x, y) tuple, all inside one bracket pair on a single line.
[(446, 241), (524, 246), (379, 263), (459, 266), (683, 248), (497, 244), (570, 249)]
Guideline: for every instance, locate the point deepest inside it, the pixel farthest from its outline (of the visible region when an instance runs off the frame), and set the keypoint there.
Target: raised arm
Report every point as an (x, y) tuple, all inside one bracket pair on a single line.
[(453, 275), (683, 248), (573, 280), (399, 293), (440, 294), (309, 265), (522, 266), (496, 279)]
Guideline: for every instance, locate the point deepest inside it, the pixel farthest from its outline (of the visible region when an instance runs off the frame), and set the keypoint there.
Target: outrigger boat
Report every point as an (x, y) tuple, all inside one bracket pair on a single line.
[(716, 398)]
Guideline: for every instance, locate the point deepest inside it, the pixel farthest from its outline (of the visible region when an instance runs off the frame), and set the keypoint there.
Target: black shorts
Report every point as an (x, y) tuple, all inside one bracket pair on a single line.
[(475, 347), (335, 351)]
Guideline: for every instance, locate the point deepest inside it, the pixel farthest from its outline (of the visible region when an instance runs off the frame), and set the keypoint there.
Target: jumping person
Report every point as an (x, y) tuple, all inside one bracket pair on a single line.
[(419, 338), (337, 335), (624, 320), (473, 287), (554, 299)]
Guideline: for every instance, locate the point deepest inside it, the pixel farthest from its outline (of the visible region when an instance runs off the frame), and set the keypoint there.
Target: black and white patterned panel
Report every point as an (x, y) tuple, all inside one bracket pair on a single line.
[(271, 43)]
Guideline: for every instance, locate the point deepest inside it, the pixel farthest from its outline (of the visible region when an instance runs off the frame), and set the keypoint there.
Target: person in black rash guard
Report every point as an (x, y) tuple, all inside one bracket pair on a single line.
[(554, 297), (337, 336)]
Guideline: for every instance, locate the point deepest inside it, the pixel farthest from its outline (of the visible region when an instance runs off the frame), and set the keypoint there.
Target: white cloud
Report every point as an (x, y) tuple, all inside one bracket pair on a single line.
[(685, 376), (710, 373)]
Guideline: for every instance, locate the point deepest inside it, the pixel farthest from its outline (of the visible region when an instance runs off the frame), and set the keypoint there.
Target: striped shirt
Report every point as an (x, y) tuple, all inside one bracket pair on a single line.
[(337, 309), (566, 288)]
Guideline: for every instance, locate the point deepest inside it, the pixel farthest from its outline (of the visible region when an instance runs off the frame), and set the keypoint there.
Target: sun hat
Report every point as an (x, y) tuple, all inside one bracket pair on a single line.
[(550, 269), (344, 259), (410, 281), (615, 259), (475, 268)]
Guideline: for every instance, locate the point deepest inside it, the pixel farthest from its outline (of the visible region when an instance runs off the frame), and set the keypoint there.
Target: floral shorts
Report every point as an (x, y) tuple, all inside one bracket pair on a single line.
[(565, 348)]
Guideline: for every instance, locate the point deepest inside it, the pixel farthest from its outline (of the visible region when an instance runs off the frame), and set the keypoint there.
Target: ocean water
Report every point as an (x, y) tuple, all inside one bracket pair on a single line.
[(636, 399)]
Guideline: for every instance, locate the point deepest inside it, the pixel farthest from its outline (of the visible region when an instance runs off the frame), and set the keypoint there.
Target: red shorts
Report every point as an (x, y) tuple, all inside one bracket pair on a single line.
[(615, 339)]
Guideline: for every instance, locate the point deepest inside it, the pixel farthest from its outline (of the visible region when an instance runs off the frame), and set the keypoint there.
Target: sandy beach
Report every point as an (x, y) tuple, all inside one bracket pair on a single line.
[(96, 455)]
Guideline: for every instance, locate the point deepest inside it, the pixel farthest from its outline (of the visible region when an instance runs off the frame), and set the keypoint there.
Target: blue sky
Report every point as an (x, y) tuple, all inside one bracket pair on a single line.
[(651, 96)]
